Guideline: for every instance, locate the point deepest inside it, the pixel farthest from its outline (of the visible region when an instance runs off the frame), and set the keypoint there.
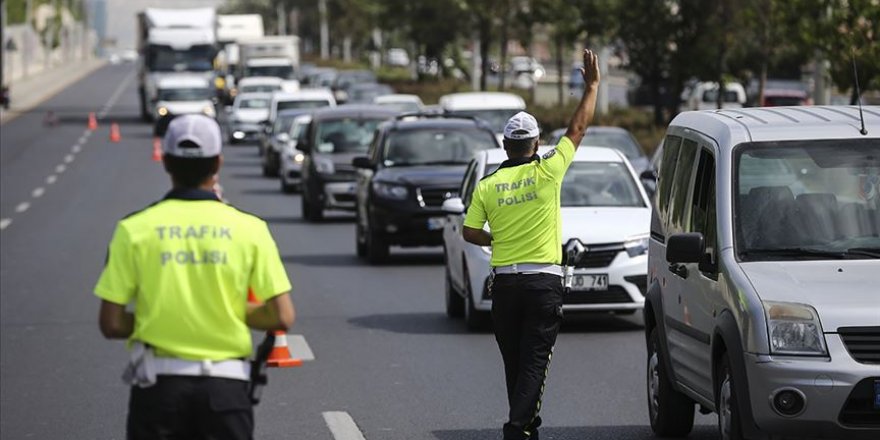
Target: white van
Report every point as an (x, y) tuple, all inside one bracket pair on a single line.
[(306, 98), (184, 94), (704, 96), (495, 108)]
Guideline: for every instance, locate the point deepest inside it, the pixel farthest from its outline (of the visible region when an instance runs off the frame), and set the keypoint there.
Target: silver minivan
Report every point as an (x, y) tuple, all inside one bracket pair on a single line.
[(763, 300)]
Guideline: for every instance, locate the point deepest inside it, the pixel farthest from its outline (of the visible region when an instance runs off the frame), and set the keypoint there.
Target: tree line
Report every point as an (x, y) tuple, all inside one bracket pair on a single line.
[(665, 42)]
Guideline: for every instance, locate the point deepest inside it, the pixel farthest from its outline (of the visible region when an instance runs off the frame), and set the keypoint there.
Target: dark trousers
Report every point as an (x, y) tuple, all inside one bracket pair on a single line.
[(526, 315), (190, 407)]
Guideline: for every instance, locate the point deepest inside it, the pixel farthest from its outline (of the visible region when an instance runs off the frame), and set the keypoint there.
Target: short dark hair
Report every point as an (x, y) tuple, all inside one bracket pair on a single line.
[(519, 146), (191, 172)]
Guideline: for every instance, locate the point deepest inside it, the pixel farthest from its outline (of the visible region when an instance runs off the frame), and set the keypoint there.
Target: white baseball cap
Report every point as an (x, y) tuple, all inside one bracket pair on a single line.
[(521, 126), (193, 136)]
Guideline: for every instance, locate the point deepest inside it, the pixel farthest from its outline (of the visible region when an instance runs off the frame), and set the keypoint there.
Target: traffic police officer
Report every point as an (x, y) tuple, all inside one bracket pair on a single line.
[(521, 203), (186, 264)]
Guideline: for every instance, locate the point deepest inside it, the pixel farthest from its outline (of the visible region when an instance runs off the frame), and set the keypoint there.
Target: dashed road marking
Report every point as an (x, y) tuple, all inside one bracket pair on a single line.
[(82, 139), (22, 207), (76, 148), (60, 168), (69, 158), (342, 426), (4, 223), (38, 192), (113, 98), (51, 179)]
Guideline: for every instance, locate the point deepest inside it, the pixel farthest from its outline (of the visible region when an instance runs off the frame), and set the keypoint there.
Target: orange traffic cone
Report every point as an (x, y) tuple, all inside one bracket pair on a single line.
[(93, 122), (280, 355), (114, 133), (157, 149)]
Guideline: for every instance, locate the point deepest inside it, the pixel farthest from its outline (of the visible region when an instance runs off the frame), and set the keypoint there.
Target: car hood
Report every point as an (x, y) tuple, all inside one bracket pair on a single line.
[(844, 293), (434, 175), (185, 107), (604, 225), (253, 115)]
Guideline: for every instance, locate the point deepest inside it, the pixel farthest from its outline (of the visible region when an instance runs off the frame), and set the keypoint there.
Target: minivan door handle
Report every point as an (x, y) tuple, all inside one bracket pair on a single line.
[(679, 269)]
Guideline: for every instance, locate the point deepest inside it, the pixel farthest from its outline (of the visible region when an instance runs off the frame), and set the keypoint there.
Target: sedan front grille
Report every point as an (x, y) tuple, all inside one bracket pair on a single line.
[(863, 343), (599, 255), (434, 197)]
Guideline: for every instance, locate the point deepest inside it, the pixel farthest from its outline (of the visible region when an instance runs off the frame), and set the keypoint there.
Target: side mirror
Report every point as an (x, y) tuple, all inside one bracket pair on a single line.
[(648, 174), (282, 138), (685, 248), (363, 163), (303, 145), (452, 205)]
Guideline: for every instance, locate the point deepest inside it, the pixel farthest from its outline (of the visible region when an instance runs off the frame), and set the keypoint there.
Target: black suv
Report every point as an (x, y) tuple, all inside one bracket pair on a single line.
[(415, 163), (334, 137)]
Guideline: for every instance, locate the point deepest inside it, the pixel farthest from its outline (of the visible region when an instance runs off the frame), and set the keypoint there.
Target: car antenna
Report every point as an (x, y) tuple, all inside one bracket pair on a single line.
[(858, 92)]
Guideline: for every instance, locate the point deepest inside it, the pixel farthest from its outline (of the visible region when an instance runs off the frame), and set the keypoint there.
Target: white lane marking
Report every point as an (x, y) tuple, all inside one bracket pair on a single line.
[(115, 96), (76, 148), (51, 179), (342, 426), (22, 207), (299, 348), (4, 223), (69, 158), (60, 168), (82, 139), (87, 133), (38, 192)]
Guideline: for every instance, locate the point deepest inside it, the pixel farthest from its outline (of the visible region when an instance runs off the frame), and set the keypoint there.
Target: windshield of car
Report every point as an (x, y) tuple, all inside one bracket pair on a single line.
[(368, 94), (198, 58), (496, 118), (254, 103), (402, 107), (622, 142), (185, 94), (345, 135), (440, 146), (260, 88), (285, 105), (596, 184), (285, 72), (808, 200)]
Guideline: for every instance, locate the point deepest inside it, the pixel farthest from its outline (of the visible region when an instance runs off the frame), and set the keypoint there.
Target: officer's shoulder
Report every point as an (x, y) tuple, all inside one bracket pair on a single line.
[(135, 214), (249, 216)]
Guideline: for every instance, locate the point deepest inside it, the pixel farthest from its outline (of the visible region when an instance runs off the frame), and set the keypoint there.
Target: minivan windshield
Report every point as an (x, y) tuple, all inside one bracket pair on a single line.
[(808, 200), (596, 184), (347, 135), (436, 146), (181, 94)]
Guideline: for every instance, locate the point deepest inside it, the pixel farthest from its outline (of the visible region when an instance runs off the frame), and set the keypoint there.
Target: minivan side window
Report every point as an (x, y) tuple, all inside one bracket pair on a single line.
[(667, 169), (703, 217), (678, 203)]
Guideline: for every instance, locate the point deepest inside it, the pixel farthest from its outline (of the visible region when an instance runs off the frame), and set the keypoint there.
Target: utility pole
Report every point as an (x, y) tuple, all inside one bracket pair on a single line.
[(325, 31), (282, 19), (26, 50)]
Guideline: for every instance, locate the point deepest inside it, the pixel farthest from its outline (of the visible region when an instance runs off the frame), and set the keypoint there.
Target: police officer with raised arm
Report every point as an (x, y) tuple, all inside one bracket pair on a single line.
[(186, 264), (521, 203)]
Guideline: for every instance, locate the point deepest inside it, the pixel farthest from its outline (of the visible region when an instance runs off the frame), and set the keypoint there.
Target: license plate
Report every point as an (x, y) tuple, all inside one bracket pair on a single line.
[(435, 223), (589, 282), (877, 395)]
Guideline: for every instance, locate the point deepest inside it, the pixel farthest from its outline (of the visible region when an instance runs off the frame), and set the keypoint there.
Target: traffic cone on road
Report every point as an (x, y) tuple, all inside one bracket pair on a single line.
[(93, 121), (157, 149), (280, 355), (114, 133)]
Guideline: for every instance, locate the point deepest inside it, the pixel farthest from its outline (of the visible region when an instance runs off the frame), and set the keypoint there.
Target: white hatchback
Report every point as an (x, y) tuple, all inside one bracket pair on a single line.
[(603, 206)]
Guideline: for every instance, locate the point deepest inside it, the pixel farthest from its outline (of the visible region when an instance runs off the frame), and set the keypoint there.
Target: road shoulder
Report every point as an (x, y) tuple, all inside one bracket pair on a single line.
[(29, 93)]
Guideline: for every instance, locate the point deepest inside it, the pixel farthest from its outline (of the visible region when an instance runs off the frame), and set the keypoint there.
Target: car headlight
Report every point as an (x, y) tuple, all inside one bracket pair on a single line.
[(162, 111), (208, 110), (324, 166), (390, 190), (636, 245), (794, 329), (299, 157)]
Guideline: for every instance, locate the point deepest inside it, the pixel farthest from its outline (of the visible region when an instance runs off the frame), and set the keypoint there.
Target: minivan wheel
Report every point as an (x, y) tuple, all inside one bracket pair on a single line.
[(729, 426), (671, 412), (377, 248), (454, 301)]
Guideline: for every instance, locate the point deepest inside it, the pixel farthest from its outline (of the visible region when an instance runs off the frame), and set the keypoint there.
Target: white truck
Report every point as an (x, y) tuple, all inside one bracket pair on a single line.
[(276, 56), (232, 29), (172, 41)]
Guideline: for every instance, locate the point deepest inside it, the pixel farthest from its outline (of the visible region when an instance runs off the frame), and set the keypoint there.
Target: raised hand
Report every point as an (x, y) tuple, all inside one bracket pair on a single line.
[(590, 71)]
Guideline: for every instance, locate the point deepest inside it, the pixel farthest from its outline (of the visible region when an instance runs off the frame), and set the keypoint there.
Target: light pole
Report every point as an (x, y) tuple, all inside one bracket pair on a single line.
[(325, 31)]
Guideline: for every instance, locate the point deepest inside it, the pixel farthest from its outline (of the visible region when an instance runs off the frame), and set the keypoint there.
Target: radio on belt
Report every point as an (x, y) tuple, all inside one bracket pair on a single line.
[(573, 251)]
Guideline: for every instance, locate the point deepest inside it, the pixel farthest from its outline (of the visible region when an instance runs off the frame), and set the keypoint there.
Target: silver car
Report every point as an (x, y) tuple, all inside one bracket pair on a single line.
[(763, 300), (292, 158)]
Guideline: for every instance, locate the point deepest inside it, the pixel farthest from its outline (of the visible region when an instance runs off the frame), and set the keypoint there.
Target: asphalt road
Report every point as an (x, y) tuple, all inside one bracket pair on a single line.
[(385, 354)]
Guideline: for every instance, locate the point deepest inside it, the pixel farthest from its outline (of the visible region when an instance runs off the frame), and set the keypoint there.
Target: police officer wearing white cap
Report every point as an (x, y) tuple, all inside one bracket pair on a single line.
[(521, 203), (186, 264)]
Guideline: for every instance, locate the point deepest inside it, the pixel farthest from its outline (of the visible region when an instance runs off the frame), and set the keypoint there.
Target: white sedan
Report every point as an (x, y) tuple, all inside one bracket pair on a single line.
[(603, 207)]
